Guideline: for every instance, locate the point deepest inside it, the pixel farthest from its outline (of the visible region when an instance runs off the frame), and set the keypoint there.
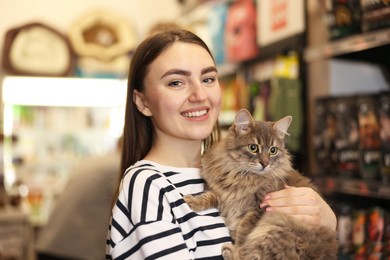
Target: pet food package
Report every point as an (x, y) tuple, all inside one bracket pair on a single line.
[(368, 5), (375, 14), (369, 141), (343, 17), (324, 137), (240, 31), (384, 122), (344, 230), (217, 22), (359, 233), (363, 233), (386, 237), (375, 233), (346, 136)]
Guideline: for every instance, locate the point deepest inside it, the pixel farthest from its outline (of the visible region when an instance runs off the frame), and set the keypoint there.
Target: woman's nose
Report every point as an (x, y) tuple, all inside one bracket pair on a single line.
[(198, 93)]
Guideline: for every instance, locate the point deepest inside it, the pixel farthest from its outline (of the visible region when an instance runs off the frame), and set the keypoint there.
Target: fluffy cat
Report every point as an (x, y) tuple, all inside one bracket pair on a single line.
[(248, 163)]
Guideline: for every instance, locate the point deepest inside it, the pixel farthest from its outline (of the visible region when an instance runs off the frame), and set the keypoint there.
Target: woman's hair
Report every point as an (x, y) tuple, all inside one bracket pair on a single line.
[(138, 129)]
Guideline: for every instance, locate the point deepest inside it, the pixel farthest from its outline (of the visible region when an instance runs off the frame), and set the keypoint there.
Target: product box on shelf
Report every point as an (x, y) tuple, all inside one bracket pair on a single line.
[(386, 236), (343, 17), (346, 136), (344, 229), (363, 233), (359, 233), (369, 141), (384, 122), (373, 4), (324, 137), (375, 14), (352, 136), (375, 232)]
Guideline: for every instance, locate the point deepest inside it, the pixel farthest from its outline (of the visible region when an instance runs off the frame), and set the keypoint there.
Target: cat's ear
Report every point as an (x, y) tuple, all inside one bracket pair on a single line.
[(281, 126), (243, 122)]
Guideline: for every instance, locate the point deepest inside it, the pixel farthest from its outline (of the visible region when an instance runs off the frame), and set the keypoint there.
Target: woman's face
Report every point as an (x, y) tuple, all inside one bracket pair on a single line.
[(182, 94)]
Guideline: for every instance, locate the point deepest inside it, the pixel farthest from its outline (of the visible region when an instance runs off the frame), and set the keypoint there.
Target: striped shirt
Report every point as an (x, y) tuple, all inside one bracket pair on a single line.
[(151, 220)]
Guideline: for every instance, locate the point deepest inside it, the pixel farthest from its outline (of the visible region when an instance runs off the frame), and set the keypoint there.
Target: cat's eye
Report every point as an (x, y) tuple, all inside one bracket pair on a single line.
[(253, 148), (273, 150)]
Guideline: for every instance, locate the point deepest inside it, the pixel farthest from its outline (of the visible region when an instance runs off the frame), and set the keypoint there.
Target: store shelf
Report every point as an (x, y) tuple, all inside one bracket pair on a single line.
[(347, 45), (53, 91), (188, 7), (16, 235), (227, 69), (364, 188)]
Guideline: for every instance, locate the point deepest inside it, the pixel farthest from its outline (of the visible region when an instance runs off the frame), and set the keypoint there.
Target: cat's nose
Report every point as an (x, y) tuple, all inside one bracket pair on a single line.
[(264, 163)]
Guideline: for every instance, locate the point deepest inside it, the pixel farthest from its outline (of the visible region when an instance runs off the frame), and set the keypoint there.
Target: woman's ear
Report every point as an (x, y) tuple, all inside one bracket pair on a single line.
[(138, 99)]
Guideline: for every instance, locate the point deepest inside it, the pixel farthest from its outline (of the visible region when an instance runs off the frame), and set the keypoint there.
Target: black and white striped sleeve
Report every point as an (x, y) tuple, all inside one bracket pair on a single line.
[(142, 224)]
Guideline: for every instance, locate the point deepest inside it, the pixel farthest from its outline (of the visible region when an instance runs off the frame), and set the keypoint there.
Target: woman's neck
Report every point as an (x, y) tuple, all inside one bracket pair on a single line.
[(177, 154)]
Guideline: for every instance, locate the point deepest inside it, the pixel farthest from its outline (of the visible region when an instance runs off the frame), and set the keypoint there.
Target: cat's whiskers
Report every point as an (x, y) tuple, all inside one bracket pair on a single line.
[(276, 175), (237, 168), (242, 169), (248, 169), (228, 167)]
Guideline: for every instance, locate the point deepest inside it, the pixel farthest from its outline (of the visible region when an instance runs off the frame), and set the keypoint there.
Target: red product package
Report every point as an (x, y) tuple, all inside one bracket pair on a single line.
[(240, 31), (359, 234), (375, 232)]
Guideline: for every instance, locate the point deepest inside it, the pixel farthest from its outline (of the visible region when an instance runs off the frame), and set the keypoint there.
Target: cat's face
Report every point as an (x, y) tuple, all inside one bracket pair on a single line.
[(258, 147)]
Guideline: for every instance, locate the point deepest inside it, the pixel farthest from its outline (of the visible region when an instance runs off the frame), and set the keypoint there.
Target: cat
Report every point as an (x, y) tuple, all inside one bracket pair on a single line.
[(239, 170)]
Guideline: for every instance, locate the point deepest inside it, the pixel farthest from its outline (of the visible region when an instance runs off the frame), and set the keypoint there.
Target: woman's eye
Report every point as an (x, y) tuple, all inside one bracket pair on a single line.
[(175, 83), (253, 148), (209, 80), (273, 150)]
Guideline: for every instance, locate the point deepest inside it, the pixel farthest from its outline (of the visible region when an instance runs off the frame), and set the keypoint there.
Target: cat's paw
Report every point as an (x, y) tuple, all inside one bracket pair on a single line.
[(228, 252), (190, 200), (201, 202)]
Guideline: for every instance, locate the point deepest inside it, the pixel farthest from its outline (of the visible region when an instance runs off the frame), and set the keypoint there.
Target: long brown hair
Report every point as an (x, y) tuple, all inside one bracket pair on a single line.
[(138, 129)]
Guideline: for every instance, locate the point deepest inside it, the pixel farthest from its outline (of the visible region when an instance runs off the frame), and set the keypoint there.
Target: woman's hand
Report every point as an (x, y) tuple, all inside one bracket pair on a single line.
[(303, 204)]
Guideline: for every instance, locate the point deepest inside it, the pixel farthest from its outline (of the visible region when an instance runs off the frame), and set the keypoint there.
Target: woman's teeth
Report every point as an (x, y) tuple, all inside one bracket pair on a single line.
[(195, 114)]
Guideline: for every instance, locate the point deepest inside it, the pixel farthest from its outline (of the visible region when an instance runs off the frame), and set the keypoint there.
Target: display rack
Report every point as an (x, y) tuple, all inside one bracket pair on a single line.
[(348, 45), (41, 147), (363, 188), (370, 48), (16, 235)]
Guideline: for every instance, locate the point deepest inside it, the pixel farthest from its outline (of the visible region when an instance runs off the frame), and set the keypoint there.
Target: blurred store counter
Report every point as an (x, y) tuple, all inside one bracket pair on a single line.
[(16, 235)]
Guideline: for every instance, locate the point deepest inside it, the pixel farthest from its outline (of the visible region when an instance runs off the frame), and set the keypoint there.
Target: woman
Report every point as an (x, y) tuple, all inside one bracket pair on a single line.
[(173, 103)]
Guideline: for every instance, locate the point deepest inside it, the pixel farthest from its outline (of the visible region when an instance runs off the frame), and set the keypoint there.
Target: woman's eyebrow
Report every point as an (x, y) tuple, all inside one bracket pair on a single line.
[(209, 69), (176, 71), (188, 73)]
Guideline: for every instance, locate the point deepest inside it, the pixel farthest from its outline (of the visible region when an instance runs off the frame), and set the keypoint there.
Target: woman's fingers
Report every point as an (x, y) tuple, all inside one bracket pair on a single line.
[(302, 203), (292, 196)]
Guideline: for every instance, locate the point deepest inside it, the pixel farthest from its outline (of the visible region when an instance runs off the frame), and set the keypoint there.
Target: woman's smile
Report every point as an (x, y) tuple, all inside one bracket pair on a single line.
[(195, 113)]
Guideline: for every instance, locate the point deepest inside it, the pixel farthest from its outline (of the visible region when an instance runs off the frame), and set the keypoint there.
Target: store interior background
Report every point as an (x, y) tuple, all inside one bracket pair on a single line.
[(356, 64), (141, 14)]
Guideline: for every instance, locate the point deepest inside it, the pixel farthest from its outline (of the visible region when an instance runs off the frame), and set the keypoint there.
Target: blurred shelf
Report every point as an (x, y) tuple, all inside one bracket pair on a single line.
[(188, 7), (350, 44), (227, 69), (58, 91), (363, 188), (16, 235)]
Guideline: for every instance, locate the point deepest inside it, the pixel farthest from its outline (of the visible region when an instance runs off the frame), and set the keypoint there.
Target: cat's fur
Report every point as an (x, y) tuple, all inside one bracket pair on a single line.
[(238, 180)]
